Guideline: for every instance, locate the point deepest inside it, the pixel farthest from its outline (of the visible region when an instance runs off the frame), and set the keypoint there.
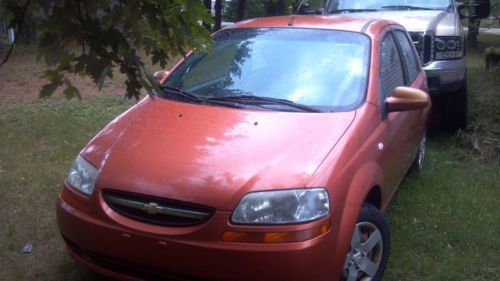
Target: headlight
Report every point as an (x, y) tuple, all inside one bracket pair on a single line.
[(82, 176), (282, 206), (449, 47)]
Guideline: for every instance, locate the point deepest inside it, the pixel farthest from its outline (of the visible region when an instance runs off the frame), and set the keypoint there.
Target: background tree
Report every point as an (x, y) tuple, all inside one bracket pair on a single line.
[(240, 9), (495, 11), (208, 7), (237, 10), (473, 25), (98, 37), (218, 14), (275, 7)]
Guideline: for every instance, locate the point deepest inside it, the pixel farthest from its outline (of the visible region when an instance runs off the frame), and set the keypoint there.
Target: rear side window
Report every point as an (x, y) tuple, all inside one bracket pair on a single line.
[(391, 70), (408, 55)]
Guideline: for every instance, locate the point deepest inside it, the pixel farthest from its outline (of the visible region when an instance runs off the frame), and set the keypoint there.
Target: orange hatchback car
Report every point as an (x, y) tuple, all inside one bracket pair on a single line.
[(271, 157)]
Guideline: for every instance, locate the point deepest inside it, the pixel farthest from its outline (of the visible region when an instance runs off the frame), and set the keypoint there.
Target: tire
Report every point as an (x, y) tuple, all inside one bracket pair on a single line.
[(418, 163), (455, 109), (370, 246)]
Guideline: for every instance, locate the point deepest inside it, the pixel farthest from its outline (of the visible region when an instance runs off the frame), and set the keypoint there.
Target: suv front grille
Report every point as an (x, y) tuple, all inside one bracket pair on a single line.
[(156, 210)]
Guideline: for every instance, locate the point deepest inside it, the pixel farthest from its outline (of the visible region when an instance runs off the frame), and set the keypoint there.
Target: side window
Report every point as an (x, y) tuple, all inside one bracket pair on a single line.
[(391, 70), (409, 56)]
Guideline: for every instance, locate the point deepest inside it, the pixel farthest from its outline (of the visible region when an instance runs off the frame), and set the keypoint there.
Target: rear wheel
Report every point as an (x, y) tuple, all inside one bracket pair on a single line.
[(418, 163), (370, 244)]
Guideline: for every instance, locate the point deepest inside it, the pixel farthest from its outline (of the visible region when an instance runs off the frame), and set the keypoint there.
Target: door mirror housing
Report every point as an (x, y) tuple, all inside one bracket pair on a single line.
[(304, 9), (160, 75), (406, 99), (307, 9), (481, 9)]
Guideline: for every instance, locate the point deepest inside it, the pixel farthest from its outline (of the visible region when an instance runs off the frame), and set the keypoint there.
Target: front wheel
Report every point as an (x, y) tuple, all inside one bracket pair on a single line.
[(370, 245)]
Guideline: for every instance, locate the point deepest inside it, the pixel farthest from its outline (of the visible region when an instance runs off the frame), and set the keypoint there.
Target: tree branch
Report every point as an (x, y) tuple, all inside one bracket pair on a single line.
[(87, 36)]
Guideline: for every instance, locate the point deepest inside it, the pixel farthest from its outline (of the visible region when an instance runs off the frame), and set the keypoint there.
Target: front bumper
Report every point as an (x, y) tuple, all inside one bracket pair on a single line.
[(445, 76), (100, 243)]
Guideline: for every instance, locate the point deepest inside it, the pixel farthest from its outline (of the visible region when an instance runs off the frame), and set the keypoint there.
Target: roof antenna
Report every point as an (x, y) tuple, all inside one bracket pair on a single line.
[(290, 23)]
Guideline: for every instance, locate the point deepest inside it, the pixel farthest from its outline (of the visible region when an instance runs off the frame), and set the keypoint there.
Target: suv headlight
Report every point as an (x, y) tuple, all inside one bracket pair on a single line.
[(82, 176), (282, 206), (448, 47)]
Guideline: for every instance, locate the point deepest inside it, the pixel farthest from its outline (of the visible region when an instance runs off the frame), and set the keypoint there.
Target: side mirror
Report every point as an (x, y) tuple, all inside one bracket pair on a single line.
[(406, 98), (304, 8), (160, 75), (481, 9)]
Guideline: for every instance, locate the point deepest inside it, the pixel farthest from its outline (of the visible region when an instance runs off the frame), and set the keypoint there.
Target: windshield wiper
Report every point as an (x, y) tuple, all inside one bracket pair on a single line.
[(182, 93), (404, 7), (198, 99), (342, 11), (265, 100)]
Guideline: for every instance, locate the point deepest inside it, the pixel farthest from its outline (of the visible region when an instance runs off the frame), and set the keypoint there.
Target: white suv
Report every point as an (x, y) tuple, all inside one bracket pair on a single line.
[(436, 30)]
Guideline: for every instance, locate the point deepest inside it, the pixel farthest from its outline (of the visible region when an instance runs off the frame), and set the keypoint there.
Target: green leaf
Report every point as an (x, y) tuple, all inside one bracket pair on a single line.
[(56, 80), (71, 91), (104, 73)]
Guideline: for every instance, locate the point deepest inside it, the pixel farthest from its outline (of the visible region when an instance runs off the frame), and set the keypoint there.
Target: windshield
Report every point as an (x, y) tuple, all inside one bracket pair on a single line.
[(324, 69), (342, 5)]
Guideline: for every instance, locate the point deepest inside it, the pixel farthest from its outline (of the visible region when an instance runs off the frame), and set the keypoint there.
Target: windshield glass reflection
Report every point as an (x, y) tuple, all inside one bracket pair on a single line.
[(322, 68)]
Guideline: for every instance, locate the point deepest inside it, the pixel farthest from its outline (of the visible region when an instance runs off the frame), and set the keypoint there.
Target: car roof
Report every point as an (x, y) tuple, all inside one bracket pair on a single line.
[(337, 22)]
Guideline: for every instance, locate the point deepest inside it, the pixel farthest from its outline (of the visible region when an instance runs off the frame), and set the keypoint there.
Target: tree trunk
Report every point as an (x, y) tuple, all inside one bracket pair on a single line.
[(208, 5), (218, 15), (275, 7), (240, 12), (473, 25)]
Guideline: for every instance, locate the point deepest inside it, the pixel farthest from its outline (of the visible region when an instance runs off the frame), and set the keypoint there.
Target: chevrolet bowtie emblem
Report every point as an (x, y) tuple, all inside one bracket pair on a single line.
[(152, 208)]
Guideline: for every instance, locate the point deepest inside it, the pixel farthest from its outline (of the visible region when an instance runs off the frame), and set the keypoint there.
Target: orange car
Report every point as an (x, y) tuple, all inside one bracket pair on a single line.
[(271, 157)]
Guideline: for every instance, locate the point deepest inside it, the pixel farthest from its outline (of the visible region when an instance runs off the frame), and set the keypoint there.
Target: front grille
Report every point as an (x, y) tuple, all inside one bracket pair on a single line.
[(424, 43), (418, 41), (156, 210)]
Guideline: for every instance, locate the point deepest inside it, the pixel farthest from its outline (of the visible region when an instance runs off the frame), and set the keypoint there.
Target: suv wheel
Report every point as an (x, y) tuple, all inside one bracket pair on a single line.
[(370, 246), (455, 109)]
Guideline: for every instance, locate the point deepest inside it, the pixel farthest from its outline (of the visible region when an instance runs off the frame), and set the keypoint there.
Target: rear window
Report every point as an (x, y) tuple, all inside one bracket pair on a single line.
[(409, 56), (335, 5)]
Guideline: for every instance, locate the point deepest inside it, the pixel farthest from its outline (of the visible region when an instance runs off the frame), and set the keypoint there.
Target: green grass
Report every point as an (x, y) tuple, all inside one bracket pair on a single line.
[(445, 220), (490, 23), (38, 143)]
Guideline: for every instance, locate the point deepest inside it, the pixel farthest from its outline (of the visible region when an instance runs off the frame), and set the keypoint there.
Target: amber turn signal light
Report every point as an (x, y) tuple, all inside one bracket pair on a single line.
[(274, 237)]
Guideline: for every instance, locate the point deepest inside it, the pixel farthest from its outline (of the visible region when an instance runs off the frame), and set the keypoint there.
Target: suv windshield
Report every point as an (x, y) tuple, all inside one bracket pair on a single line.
[(325, 70), (376, 5)]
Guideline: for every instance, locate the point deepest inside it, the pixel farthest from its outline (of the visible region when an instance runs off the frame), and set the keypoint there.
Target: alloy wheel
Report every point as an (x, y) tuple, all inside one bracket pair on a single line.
[(365, 255)]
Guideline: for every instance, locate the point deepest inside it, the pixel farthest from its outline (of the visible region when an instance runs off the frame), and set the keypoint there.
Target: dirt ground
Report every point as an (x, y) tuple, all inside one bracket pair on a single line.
[(20, 79)]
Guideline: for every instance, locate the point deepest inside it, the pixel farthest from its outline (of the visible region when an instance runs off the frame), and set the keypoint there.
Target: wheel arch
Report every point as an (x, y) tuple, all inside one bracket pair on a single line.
[(363, 188)]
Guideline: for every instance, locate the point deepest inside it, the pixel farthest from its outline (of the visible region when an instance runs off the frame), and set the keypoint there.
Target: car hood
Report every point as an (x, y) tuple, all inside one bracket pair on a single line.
[(211, 155), (440, 22)]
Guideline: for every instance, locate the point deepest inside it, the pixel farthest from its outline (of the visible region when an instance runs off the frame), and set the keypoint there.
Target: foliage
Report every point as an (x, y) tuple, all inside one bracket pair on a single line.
[(258, 8), (110, 35), (495, 7)]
